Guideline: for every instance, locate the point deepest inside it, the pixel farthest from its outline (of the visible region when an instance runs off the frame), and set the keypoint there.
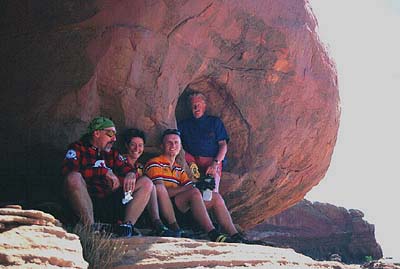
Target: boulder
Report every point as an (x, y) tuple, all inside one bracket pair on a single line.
[(152, 252), (259, 62), (322, 231), (34, 239)]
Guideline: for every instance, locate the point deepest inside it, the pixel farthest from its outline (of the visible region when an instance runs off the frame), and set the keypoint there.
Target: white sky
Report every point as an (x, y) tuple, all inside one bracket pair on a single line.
[(363, 38)]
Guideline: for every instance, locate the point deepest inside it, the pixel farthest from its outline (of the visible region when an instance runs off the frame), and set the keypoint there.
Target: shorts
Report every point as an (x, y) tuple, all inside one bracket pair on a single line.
[(202, 162)]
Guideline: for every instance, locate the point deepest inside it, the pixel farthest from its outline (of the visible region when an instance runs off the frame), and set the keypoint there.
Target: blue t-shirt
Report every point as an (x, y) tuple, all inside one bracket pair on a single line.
[(200, 136)]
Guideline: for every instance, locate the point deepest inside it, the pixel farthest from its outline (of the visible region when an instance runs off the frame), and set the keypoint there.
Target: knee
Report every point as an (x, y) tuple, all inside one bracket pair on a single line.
[(74, 181), (218, 201), (146, 184), (195, 194)]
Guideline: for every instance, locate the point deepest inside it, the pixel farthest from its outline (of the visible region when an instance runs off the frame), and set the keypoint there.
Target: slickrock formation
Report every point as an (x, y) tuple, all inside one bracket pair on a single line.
[(148, 252), (319, 230), (49, 246), (260, 62), (33, 239)]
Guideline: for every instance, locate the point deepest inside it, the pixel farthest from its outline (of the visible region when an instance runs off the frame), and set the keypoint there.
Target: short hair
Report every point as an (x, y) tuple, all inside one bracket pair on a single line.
[(194, 94), (168, 132), (130, 133)]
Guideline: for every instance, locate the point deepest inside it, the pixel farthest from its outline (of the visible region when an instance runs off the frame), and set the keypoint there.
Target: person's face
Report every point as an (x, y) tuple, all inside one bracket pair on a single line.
[(104, 139), (172, 145), (135, 147), (198, 106)]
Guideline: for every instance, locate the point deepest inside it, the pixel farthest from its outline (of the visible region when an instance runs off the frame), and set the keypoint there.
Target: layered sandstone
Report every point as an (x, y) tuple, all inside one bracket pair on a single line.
[(149, 252), (320, 230), (43, 244), (260, 63), (34, 239)]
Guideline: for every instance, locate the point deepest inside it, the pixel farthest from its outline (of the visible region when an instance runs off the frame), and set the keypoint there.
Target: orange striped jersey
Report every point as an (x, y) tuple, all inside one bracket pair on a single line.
[(158, 168)]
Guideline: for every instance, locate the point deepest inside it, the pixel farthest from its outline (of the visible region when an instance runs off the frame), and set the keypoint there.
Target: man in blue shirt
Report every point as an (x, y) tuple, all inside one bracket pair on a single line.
[(204, 139)]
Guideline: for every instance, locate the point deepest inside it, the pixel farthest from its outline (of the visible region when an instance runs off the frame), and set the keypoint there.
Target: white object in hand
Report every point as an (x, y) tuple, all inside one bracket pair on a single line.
[(127, 198), (207, 193)]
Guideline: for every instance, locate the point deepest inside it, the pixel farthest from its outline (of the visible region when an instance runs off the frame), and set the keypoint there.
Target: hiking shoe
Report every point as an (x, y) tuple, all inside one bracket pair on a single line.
[(163, 231), (100, 228), (239, 238), (126, 230), (222, 238), (216, 236)]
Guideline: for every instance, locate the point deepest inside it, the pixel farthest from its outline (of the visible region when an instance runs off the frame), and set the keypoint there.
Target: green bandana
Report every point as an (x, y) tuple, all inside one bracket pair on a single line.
[(99, 123)]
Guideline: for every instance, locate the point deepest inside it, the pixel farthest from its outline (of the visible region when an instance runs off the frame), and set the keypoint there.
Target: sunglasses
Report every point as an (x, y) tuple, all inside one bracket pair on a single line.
[(110, 133)]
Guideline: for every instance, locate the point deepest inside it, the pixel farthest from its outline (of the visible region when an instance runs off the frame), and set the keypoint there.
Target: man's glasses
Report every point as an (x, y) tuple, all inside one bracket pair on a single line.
[(110, 133)]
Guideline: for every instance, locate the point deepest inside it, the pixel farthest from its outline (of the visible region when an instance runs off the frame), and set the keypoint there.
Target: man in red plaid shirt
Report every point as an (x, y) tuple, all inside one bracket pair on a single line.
[(96, 176)]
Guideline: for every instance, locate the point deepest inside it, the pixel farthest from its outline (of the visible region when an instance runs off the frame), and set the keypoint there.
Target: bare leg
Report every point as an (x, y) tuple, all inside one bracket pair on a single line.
[(152, 206), (165, 204), (217, 180), (78, 196), (217, 205), (192, 199), (141, 196)]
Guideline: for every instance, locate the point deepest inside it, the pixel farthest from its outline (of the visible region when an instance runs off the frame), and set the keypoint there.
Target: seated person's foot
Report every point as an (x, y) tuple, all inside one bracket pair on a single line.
[(126, 230), (216, 236), (222, 238), (165, 232), (239, 238), (100, 228)]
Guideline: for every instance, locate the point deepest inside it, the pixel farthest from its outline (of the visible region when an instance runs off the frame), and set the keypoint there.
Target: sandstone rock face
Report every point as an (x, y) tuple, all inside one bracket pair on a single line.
[(33, 239), (259, 62), (151, 252), (320, 230)]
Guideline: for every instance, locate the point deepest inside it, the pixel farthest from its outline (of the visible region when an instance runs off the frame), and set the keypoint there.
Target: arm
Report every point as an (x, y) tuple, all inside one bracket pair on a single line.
[(223, 148), (126, 173), (129, 182)]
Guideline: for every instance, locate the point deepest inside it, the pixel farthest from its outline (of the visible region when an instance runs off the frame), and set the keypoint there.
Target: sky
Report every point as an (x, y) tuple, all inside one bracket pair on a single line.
[(363, 39)]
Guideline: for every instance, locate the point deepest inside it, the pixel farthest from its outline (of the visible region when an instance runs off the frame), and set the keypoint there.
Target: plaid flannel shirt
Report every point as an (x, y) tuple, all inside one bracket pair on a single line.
[(94, 165)]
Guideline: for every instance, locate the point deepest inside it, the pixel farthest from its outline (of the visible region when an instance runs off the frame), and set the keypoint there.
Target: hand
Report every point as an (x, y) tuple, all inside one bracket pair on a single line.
[(129, 182), (113, 180), (212, 169)]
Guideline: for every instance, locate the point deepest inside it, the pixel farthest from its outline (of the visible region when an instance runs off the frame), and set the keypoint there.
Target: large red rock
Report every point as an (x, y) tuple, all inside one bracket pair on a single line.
[(260, 63), (320, 230)]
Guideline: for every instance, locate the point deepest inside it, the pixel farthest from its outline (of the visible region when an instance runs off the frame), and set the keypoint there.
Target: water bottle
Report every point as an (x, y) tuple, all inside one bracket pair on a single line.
[(207, 193)]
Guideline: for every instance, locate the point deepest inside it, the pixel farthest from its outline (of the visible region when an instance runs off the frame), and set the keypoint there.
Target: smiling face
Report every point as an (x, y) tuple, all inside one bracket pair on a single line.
[(104, 139), (135, 148), (198, 105), (172, 145)]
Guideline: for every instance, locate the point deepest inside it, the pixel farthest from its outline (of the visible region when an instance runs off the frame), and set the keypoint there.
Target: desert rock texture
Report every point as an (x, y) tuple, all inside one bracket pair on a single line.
[(172, 253), (320, 230), (34, 239), (259, 62)]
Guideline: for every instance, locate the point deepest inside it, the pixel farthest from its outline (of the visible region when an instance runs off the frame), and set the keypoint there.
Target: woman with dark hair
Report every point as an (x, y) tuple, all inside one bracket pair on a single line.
[(134, 140)]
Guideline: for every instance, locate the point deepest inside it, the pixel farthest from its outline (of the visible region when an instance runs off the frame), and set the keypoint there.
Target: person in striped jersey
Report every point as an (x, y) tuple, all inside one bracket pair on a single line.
[(178, 194)]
